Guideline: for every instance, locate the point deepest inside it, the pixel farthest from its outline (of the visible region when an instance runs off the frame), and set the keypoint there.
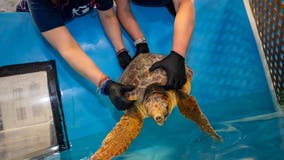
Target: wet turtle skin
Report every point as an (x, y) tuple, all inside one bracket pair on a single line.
[(152, 100)]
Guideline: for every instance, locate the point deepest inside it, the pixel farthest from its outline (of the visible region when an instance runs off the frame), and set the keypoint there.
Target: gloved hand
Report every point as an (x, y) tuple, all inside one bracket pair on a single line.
[(141, 48), (123, 58), (115, 92), (173, 64)]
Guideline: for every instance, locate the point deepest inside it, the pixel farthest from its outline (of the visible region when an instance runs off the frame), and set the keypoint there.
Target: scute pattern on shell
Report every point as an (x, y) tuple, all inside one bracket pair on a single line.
[(137, 74)]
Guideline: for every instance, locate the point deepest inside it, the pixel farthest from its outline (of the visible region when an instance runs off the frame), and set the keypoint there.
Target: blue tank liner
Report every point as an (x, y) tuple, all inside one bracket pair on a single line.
[(229, 83)]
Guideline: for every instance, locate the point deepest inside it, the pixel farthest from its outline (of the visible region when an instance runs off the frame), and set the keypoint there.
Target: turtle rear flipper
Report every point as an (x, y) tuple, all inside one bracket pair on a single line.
[(120, 137), (189, 107)]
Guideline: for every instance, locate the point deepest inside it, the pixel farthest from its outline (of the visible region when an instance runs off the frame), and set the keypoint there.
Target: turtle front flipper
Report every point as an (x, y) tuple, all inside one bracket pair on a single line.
[(120, 137), (189, 107)]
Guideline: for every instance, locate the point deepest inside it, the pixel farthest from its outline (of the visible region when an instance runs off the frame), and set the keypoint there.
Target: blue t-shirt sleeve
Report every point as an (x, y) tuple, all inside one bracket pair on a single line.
[(104, 4), (45, 15)]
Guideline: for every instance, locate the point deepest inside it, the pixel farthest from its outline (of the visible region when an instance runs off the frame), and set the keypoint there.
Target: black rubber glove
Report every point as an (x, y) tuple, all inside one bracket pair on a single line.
[(124, 59), (141, 48), (115, 92), (173, 64)]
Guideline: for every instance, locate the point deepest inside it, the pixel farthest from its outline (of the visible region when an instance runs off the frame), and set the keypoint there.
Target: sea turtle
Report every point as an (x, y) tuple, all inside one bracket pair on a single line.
[(152, 100)]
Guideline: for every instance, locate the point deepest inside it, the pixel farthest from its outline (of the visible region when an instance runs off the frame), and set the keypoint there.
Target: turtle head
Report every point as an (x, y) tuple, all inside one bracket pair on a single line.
[(157, 103)]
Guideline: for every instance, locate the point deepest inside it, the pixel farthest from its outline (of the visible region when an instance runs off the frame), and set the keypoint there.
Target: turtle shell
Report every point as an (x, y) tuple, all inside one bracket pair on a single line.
[(137, 73)]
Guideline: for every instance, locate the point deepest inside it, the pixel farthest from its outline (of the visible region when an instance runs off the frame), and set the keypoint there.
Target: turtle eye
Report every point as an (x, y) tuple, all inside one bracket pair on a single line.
[(165, 108), (164, 105)]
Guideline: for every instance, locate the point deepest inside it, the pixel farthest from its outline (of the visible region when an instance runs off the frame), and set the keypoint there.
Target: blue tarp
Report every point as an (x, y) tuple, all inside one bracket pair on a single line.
[(229, 82)]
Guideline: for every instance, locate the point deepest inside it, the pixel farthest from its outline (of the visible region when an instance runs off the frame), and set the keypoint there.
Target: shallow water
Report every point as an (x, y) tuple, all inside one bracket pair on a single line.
[(251, 136)]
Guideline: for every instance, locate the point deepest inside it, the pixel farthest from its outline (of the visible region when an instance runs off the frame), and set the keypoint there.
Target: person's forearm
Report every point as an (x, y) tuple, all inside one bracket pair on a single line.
[(112, 28), (127, 20), (77, 58), (183, 26), (69, 49)]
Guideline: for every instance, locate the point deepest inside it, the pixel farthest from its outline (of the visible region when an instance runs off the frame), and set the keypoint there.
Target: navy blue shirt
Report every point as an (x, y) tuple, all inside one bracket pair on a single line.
[(152, 2), (47, 15)]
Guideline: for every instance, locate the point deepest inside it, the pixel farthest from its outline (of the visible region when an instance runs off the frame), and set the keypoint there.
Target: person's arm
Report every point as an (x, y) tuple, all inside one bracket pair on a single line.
[(183, 25), (112, 29), (69, 49), (130, 24), (127, 19), (173, 64), (61, 39), (50, 23)]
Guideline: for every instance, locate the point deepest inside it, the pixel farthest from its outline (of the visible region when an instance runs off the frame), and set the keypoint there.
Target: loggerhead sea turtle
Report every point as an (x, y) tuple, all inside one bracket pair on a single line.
[(152, 100)]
